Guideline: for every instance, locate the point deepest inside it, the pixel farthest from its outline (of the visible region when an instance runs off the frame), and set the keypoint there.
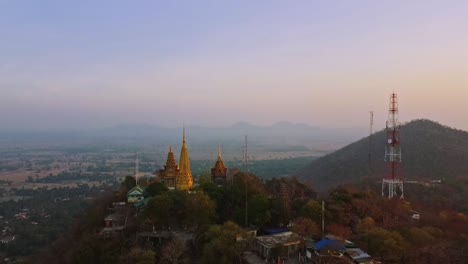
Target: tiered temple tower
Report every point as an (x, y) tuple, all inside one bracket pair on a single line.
[(184, 180), (168, 175), (219, 171)]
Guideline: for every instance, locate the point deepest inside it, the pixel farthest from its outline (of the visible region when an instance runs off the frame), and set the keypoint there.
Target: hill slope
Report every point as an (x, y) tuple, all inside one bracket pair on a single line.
[(429, 150)]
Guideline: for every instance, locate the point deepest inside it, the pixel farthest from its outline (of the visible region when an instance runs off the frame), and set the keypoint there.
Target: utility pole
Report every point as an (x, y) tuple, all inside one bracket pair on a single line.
[(323, 218), (136, 170), (246, 168)]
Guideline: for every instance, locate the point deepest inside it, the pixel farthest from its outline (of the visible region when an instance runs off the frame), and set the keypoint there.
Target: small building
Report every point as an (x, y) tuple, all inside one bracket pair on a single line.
[(114, 220), (135, 195), (7, 239), (109, 232), (284, 244)]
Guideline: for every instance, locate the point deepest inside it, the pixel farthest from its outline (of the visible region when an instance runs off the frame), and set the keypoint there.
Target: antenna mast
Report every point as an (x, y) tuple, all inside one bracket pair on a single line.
[(136, 170), (392, 183), (245, 157)]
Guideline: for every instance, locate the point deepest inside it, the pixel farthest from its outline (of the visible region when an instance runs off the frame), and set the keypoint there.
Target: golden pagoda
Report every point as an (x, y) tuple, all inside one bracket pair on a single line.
[(219, 171), (184, 180), (168, 175)]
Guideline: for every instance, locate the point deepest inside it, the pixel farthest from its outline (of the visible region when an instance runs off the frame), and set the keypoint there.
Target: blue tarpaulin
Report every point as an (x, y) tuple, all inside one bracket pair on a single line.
[(329, 244)]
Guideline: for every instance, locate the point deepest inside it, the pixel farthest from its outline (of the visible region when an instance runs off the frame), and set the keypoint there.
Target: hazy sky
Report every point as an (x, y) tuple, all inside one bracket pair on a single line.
[(91, 64)]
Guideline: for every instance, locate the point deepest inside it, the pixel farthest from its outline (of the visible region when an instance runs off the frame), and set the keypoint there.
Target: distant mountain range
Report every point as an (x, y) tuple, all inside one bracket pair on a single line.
[(279, 134), (429, 151)]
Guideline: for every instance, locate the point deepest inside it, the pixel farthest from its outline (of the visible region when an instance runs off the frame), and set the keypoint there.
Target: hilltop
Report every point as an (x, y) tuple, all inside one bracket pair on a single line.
[(429, 151)]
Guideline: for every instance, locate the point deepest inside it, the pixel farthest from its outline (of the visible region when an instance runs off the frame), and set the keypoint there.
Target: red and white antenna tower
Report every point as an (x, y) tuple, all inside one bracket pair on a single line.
[(392, 183)]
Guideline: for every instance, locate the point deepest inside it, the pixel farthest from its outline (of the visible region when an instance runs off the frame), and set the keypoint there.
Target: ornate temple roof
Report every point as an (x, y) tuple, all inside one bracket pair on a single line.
[(219, 170), (171, 162)]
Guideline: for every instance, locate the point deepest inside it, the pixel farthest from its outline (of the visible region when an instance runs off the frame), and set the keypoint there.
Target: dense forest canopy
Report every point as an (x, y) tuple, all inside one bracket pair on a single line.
[(216, 217)]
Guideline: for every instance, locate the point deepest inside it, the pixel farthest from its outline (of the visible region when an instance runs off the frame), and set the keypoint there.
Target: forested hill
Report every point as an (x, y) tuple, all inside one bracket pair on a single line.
[(429, 151)]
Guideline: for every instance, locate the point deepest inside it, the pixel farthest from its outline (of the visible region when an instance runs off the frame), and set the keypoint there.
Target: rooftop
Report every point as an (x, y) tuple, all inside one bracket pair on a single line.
[(285, 238), (357, 254)]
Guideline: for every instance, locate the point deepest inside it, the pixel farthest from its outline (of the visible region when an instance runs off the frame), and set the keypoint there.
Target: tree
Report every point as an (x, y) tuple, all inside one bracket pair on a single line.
[(313, 210), (381, 242), (339, 230), (222, 244), (204, 178), (138, 256), (159, 209), (199, 210), (155, 188), (366, 224), (305, 227), (259, 210), (172, 251)]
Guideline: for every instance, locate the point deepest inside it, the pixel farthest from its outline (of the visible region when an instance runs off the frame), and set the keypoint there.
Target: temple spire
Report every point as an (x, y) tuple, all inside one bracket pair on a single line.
[(219, 152), (184, 178)]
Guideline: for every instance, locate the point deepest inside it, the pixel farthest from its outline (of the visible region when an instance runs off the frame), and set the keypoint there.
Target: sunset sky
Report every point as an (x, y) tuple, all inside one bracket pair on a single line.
[(72, 65)]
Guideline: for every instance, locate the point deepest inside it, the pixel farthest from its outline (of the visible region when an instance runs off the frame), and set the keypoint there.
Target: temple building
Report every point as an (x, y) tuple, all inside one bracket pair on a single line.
[(177, 176), (135, 194), (219, 171), (168, 175)]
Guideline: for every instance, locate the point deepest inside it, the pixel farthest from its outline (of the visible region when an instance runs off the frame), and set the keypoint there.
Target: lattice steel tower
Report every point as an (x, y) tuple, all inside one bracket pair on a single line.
[(392, 183)]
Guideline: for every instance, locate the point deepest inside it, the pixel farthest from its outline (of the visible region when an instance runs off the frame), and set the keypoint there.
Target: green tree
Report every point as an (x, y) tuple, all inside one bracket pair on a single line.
[(173, 251), (159, 210), (222, 244), (138, 256), (381, 242), (313, 210), (155, 188), (259, 210), (199, 210), (204, 178)]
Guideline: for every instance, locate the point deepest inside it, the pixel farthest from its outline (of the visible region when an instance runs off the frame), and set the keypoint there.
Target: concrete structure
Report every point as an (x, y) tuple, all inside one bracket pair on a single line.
[(284, 244)]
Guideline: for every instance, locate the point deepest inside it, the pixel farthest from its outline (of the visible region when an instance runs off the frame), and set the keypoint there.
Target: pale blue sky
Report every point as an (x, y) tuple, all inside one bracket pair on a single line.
[(90, 64)]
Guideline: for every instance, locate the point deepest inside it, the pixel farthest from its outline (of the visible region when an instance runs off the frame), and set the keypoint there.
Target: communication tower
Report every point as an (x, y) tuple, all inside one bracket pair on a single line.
[(392, 183)]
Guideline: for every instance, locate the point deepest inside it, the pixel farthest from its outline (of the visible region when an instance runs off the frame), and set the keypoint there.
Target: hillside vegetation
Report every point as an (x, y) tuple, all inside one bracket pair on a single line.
[(429, 150)]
